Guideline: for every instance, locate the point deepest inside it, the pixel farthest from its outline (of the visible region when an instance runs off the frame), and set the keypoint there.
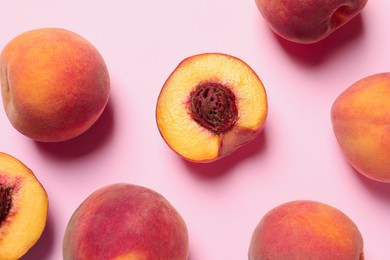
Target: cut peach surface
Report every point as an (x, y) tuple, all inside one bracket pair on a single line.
[(211, 105), (23, 208)]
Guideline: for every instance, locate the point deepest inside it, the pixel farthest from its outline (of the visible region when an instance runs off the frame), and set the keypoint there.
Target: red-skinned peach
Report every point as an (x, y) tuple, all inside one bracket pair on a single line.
[(308, 21), (125, 221)]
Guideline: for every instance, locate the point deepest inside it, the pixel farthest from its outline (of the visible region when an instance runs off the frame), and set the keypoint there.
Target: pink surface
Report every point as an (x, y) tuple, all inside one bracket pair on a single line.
[(296, 157)]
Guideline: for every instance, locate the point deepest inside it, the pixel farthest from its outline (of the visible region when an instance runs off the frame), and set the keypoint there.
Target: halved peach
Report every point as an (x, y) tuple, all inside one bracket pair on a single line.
[(210, 105), (23, 208)]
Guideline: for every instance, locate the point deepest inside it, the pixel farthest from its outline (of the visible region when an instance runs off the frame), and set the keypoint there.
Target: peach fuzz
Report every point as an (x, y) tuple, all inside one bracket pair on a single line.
[(308, 21), (360, 120), (210, 105), (125, 221), (23, 208), (305, 229), (54, 84)]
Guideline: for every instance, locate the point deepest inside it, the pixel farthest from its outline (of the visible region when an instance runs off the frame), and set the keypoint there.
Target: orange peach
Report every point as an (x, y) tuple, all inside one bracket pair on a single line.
[(306, 229), (23, 208), (54, 84), (125, 221), (211, 105), (360, 119), (308, 21)]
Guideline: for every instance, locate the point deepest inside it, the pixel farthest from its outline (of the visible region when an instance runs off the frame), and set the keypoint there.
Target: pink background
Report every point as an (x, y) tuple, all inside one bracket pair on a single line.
[(296, 157)]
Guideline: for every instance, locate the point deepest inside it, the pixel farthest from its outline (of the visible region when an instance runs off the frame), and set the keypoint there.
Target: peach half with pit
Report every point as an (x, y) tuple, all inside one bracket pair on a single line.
[(211, 105), (126, 221), (23, 208), (54, 84), (305, 229), (360, 120)]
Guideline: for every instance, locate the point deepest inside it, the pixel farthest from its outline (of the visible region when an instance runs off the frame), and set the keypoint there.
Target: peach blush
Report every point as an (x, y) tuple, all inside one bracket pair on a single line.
[(54, 84), (308, 21), (125, 221), (360, 123), (306, 229)]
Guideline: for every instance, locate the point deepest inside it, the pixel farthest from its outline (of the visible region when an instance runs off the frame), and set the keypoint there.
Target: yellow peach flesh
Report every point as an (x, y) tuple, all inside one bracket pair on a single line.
[(181, 132), (26, 220)]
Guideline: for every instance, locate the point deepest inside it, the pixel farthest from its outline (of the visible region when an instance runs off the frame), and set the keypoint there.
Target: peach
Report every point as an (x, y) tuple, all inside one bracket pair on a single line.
[(54, 84), (125, 221), (308, 21), (305, 229), (211, 105), (23, 208), (360, 120)]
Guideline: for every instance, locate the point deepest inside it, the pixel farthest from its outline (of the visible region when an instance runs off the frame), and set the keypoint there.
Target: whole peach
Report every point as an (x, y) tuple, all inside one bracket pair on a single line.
[(54, 84), (125, 221), (360, 120), (305, 229), (308, 21)]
